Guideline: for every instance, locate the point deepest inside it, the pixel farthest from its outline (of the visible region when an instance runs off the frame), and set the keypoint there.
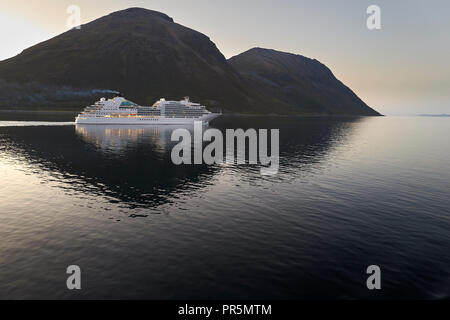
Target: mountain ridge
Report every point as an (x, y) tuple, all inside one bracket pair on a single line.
[(146, 55), (299, 76)]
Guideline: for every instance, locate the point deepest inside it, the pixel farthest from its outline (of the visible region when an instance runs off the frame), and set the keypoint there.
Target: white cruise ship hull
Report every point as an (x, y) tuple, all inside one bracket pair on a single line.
[(143, 120)]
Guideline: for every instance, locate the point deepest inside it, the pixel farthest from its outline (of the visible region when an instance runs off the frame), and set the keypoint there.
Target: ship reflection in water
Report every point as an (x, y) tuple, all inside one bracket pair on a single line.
[(138, 170), (349, 193), (117, 138)]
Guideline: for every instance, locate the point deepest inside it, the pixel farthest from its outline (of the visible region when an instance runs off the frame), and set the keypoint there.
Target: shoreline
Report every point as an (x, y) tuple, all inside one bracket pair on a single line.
[(224, 114), (37, 111)]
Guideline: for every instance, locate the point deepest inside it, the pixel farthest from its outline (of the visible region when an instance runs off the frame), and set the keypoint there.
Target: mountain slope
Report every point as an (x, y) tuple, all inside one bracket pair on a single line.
[(305, 84), (139, 52), (146, 55)]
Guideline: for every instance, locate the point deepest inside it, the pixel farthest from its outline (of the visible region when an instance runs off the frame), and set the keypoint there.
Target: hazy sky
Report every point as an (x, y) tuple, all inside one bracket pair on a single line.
[(404, 68)]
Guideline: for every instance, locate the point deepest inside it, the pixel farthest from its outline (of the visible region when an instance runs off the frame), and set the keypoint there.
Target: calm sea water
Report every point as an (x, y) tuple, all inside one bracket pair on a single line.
[(350, 193)]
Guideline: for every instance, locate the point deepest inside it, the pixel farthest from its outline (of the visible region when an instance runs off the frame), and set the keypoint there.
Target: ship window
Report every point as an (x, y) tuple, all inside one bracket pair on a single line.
[(127, 104)]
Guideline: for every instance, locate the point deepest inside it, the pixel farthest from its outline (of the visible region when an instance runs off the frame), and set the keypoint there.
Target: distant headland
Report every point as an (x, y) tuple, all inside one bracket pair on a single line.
[(434, 115)]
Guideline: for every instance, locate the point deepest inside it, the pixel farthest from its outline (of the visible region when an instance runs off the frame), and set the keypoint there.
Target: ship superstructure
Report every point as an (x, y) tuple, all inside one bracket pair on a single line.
[(119, 110)]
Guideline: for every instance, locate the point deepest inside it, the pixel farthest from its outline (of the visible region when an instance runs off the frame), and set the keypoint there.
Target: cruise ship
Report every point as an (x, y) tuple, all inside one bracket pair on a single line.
[(119, 110)]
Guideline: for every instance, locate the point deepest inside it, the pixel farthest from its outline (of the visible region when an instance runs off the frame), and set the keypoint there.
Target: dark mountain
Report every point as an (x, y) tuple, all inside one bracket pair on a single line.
[(146, 55), (305, 84)]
